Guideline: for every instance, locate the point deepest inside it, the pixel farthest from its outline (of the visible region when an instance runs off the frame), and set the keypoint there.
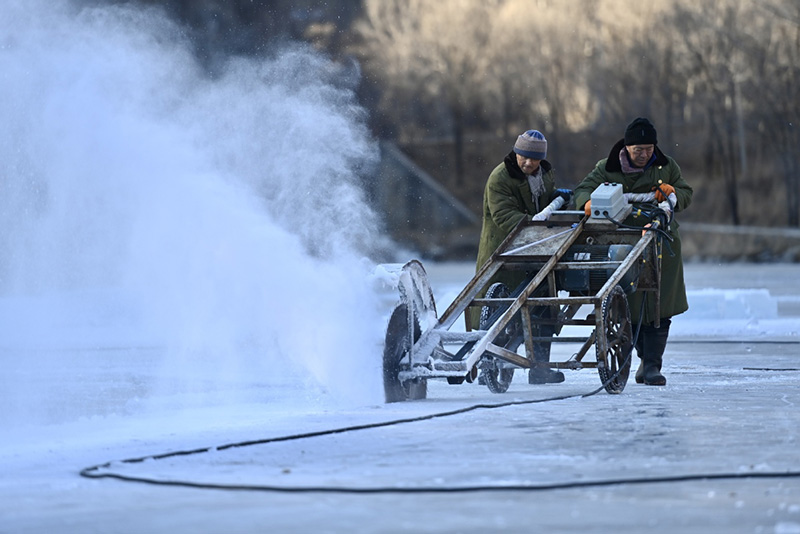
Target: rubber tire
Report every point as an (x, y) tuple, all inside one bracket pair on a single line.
[(396, 346), (619, 335), (498, 378)]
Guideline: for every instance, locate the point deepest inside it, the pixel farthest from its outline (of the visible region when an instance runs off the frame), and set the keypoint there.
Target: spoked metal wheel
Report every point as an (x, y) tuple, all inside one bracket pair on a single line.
[(614, 342), (496, 373), (403, 331)]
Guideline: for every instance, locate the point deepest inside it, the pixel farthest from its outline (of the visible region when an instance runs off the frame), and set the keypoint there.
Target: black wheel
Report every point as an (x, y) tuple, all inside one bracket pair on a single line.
[(614, 342), (496, 373), (399, 339)]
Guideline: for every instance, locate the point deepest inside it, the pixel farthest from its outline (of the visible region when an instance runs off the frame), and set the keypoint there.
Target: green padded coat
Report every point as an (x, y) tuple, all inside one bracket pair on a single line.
[(663, 169)]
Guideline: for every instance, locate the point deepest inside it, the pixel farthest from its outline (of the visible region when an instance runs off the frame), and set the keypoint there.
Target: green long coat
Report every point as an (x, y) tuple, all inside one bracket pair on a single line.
[(663, 170), (507, 200)]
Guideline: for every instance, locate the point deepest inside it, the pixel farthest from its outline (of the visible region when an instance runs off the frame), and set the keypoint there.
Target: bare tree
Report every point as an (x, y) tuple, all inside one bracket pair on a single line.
[(429, 49), (540, 60), (742, 64), (713, 61), (721, 79), (781, 67)]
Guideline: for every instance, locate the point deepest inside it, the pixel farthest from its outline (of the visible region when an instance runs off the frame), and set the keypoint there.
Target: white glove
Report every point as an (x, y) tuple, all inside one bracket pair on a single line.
[(668, 205)]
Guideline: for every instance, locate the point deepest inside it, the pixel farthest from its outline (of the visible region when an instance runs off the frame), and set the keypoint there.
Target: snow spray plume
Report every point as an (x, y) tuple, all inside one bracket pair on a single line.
[(143, 203)]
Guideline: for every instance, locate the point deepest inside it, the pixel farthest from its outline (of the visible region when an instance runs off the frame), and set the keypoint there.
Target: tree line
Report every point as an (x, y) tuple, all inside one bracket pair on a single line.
[(719, 78), (454, 82)]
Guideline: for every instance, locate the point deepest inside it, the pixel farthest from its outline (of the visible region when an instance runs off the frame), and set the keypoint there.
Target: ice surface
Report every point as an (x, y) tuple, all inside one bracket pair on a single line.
[(730, 407), (176, 277), (721, 304)]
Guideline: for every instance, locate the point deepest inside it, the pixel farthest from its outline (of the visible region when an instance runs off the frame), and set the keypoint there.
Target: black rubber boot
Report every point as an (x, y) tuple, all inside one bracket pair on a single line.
[(640, 354), (541, 354), (654, 343), (543, 375)]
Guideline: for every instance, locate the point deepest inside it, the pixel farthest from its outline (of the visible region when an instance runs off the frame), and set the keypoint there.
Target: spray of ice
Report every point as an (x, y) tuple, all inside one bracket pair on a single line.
[(145, 204)]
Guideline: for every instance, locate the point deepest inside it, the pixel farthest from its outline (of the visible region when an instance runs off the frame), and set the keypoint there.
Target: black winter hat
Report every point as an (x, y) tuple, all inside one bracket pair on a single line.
[(640, 132)]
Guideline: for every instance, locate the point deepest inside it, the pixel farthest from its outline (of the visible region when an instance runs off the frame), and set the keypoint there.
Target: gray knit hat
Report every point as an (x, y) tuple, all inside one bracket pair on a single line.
[(531, 144)]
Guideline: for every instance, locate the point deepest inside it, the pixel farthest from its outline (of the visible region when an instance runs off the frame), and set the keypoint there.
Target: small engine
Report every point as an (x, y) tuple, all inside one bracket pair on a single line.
[(592, 280)]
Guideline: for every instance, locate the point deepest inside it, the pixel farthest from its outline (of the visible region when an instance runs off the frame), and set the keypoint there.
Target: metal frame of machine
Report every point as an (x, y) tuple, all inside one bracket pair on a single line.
[(567, 274)]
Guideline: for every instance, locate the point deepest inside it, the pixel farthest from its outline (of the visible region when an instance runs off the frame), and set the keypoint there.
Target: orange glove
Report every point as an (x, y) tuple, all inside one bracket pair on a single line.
[(587, 208), (667, 191)]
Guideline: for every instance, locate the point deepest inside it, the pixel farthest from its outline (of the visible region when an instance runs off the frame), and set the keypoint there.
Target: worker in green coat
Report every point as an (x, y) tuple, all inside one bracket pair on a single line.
[(640, 166), (518, 188)]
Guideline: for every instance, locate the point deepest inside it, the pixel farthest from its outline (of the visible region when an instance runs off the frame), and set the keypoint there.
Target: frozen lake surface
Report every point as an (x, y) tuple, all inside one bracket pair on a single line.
[(182, 291), (716, 450)]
